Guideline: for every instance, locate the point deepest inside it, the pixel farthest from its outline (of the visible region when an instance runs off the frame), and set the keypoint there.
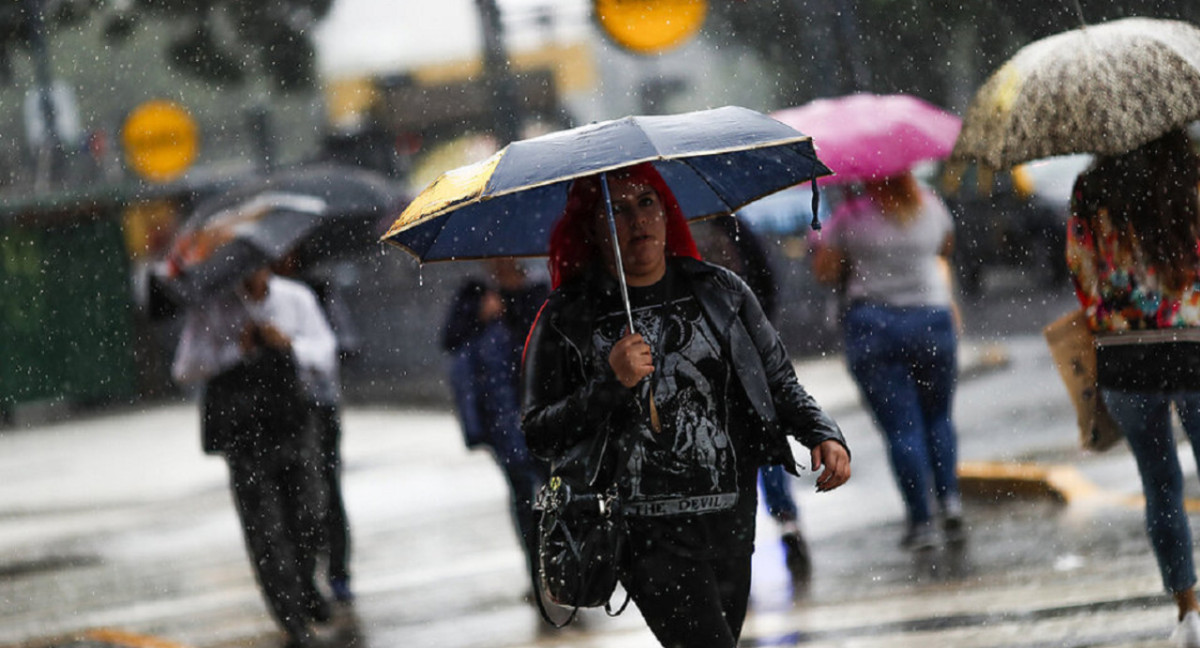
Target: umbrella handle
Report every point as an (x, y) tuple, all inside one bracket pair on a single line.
[(612, 234)]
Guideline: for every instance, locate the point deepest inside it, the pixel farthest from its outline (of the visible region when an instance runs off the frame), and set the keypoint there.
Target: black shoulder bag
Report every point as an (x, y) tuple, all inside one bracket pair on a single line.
[(581, 535)]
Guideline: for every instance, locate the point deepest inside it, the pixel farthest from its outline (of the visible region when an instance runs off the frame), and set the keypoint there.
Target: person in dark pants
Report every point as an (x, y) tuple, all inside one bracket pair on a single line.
[(328, 417), (727, 242), (484, 333), (258, 350), (725, 399), (337, 525)]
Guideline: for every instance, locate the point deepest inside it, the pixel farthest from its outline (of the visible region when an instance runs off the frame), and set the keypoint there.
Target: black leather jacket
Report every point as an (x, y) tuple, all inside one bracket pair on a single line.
[(565, 403)]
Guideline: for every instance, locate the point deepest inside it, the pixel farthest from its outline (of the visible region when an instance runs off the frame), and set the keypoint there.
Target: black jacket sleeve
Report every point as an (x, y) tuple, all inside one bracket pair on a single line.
[(562, 403), (799, 415)]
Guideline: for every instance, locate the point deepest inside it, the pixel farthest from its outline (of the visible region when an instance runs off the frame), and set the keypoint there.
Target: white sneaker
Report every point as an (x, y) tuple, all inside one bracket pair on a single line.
[(1187, 633)]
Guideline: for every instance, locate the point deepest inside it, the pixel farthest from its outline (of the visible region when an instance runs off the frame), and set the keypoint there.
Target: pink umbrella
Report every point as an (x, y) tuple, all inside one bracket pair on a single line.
[(870, 137)]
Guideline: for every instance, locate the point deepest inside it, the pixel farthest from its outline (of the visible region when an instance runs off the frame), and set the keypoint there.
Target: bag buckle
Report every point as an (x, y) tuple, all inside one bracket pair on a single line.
[(608, 502), (552, 496)]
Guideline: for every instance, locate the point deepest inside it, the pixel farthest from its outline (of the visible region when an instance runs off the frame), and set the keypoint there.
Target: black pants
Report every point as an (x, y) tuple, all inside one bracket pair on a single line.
[(336, 524), (277, 492), (689, 603)]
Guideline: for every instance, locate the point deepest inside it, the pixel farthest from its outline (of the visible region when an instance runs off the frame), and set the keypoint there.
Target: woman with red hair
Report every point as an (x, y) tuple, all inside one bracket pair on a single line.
[(695, 399)]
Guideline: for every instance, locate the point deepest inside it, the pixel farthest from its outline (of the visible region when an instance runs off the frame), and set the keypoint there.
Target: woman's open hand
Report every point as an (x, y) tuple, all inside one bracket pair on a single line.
[(833, 456)]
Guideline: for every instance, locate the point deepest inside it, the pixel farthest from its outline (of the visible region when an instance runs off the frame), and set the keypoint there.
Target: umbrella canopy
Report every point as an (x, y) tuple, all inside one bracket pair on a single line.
[(870, 137), (1104, 89), (715, 161), (313, 211)]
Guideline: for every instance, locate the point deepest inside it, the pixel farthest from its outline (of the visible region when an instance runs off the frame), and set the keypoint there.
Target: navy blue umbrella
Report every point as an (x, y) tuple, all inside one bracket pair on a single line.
[(715, 161)]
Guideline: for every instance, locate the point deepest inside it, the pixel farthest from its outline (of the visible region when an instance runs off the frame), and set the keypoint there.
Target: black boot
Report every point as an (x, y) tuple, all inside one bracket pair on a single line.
[(795, 555)]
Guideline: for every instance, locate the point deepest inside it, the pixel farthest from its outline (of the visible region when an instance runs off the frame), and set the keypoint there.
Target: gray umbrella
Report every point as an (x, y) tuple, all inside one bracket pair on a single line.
[(1104, 89), (315, 211)]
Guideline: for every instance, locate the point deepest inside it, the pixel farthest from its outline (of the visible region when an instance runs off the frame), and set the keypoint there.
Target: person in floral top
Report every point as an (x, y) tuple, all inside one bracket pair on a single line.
[(1132, 247)]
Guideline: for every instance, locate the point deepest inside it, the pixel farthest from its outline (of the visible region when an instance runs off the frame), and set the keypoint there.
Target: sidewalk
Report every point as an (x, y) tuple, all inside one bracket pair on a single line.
[(163, 442)]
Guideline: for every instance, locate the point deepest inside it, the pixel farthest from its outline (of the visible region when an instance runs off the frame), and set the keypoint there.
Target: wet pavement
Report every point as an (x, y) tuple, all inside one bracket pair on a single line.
[(116, 531)]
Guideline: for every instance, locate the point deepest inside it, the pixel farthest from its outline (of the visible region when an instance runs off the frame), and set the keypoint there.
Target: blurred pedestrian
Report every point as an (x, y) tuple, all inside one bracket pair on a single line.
[(1132, 249), (727, 242), (889, 249), (259, 350), (484, 333), (724, 392), (326, 407)]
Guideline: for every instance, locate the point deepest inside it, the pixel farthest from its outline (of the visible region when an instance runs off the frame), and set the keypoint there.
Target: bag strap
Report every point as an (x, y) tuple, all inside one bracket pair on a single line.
[(537, 596)]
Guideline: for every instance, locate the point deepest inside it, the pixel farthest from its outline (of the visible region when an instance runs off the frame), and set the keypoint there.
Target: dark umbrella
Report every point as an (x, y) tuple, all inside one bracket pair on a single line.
[(715, 161), (314, 212)]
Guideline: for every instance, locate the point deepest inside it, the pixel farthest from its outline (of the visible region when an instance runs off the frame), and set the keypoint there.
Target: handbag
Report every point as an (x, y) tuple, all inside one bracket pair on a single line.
[(1073, 347), (581, 539)]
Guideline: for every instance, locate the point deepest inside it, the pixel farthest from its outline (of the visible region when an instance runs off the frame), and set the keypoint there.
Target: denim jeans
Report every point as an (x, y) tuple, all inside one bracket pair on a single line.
[(777, 493), (905, 361), (1145, 419)]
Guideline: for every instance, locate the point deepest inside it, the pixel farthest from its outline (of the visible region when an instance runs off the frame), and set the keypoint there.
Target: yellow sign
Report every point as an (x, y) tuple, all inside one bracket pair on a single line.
[(650, 26), (160, 140)]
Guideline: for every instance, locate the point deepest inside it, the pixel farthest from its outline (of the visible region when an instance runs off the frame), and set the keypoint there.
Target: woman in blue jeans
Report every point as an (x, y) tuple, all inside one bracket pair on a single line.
[(1134, 253), (888, 250)]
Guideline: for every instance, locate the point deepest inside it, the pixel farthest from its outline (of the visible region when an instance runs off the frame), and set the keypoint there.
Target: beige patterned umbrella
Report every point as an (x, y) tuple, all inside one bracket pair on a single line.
[(1104, 89)]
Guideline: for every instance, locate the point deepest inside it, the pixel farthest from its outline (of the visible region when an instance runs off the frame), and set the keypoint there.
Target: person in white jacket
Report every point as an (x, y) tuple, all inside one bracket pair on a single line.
[(262, 351)]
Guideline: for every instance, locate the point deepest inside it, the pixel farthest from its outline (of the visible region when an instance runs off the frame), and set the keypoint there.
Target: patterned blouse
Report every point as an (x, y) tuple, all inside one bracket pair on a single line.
[(1117, 289)]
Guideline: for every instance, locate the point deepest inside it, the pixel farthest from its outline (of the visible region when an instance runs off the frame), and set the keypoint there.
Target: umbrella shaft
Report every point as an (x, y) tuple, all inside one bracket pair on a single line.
[(612, 231)]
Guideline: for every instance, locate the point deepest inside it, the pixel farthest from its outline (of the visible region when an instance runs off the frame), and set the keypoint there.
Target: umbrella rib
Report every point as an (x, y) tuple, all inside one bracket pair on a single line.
[(730, 209), (410, 251), (724, 201), (390, 236)]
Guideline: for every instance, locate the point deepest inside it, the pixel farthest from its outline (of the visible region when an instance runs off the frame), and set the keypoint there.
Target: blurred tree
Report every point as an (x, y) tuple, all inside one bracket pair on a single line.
[(937, 49), (229, 36), (221, 41), (16, 27)]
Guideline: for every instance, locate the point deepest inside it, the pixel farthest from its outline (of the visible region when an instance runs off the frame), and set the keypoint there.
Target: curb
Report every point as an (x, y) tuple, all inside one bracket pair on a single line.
[(995, 481), (103, 638)]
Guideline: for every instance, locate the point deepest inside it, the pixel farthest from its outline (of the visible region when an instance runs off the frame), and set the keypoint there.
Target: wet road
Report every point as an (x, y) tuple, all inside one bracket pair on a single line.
[(119, 522)]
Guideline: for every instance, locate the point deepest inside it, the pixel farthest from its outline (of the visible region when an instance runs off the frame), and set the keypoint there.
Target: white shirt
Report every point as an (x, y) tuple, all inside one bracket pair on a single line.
[(209, 343), (891, 262)]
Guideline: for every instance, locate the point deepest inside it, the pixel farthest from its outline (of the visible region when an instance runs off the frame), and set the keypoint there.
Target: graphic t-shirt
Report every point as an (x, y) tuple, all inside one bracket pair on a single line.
[(683, 487)]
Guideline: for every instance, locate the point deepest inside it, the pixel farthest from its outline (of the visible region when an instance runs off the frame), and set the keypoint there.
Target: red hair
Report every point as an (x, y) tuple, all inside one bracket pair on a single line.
[(572, 250)]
